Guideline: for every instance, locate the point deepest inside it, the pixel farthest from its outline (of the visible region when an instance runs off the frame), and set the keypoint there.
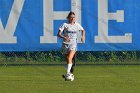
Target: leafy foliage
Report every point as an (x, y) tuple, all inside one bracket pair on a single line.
[(57, 56)]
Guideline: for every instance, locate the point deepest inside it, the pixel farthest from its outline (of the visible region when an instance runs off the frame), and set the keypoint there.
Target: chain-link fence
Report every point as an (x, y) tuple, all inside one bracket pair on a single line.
[(56, 57)]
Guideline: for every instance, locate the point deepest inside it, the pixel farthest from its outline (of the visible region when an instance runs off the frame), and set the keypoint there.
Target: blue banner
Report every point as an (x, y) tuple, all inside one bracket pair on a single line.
[(32, 25)]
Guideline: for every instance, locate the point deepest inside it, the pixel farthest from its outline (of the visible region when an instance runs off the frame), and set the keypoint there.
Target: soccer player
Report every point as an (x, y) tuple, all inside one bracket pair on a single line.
[(68, 32)]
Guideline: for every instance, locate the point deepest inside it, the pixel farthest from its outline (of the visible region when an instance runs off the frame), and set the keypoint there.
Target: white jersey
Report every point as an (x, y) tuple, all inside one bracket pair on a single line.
[(70, 31)]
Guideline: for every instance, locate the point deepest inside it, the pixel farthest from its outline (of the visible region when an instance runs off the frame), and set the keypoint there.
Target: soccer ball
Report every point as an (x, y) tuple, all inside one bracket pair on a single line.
[(69, 77)]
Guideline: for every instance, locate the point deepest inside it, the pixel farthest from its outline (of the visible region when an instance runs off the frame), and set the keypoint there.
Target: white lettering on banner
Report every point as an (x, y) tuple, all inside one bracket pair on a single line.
[(7, 34), (76, 7), (50, 15), (103, 18)]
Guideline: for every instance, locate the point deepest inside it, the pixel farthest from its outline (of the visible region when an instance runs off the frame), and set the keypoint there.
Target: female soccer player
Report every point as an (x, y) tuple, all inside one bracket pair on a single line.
[(68, 32)]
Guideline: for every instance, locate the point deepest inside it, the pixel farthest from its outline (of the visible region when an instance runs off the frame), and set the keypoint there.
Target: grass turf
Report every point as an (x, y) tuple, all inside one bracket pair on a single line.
[(88, 79)]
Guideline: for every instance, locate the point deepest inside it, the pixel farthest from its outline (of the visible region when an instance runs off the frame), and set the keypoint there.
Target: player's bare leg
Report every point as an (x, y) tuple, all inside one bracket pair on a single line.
[(69, 61)]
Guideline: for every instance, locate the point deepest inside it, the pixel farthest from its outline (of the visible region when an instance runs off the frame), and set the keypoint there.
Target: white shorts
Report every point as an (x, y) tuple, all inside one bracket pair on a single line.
[(66, 48)]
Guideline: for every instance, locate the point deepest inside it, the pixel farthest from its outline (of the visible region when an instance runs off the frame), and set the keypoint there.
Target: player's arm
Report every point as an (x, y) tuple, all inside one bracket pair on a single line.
[(83, 36), (60, 35), (61, 29)]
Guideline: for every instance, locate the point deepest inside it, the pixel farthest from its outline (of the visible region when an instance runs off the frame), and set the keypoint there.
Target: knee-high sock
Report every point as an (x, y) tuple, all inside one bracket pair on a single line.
[(69, 67)]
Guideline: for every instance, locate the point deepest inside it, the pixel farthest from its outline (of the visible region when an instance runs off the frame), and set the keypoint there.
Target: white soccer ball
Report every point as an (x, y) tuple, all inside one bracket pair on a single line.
[(69, 77)]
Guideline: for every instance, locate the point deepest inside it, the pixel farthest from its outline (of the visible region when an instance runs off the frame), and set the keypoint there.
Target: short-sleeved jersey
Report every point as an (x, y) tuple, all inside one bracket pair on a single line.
[(70, 31)]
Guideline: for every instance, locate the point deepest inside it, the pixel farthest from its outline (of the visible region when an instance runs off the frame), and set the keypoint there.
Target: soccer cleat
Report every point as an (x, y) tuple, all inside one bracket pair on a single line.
[(63, 76)]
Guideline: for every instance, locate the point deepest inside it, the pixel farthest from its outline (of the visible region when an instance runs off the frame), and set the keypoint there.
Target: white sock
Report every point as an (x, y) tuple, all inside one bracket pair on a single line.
[(69, 67)]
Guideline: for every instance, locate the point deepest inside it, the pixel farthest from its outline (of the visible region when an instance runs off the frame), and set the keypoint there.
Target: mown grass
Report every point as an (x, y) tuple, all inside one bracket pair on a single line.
[(88, 79)]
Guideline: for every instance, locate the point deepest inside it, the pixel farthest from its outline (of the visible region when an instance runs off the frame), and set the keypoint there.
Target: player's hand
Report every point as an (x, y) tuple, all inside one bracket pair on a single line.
[(66, 39), (83, 39)]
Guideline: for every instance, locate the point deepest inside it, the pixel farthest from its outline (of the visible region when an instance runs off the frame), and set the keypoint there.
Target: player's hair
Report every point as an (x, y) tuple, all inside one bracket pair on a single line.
[(70, 13)]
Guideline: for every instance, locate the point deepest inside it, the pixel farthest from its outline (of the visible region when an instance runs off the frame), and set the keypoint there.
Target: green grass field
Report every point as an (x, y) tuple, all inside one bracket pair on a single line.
[(88, 79)]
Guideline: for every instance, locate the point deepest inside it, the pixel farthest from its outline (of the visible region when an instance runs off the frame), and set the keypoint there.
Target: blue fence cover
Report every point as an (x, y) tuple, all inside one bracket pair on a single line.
[(32, 25)]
